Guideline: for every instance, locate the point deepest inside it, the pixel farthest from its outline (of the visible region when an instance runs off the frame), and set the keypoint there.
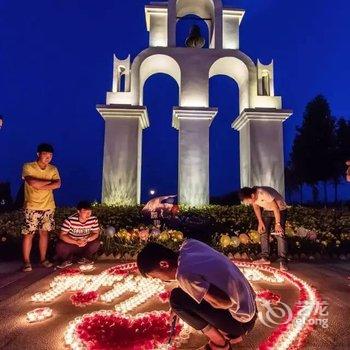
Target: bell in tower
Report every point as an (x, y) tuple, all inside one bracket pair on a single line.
[(195, 40)]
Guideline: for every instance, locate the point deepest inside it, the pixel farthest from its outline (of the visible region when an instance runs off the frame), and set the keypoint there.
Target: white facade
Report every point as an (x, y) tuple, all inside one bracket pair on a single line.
[(259, 123)]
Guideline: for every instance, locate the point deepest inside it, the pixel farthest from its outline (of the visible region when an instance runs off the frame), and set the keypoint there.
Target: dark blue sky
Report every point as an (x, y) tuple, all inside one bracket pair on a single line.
[(56, 65)]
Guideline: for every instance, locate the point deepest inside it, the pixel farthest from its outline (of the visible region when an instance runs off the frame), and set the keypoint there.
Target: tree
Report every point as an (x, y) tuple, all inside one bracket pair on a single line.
[(312, 156), (292, 183), (342, 153)]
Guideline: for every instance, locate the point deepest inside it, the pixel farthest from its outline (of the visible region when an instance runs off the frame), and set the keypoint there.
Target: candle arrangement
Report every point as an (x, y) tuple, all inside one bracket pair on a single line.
[(94, 330), (39, 314)]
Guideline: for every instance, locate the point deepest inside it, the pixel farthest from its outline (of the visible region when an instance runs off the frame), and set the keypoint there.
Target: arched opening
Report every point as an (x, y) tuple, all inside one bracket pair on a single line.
[(224, 142), (157, 64), (184, 25), (121, 81), (160, 140), (237, 70), (201, 8), (204, 9)]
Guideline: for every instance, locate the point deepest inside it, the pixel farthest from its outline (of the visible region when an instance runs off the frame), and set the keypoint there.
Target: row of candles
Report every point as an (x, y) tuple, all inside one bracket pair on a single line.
[(291, 335)]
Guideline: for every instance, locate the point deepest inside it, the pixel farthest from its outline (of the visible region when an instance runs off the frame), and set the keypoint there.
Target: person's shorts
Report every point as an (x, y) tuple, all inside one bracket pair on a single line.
[(38, 220)]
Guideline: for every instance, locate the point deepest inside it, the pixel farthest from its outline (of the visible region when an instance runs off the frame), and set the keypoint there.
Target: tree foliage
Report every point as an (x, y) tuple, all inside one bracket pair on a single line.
[(320, 149)]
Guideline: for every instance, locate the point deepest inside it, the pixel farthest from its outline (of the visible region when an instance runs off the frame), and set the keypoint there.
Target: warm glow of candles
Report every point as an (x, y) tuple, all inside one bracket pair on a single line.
[(39, 314), (122, 280)]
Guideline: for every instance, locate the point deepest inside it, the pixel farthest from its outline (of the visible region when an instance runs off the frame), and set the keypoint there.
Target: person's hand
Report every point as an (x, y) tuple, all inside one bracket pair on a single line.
[(279, 229), (261, 227)]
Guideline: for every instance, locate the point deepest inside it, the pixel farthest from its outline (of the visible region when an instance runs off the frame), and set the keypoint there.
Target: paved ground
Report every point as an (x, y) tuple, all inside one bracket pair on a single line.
[(331, 279)]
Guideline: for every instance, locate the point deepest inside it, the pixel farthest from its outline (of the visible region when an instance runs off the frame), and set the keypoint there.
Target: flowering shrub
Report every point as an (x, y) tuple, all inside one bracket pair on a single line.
[(131, 241), (231, 229)]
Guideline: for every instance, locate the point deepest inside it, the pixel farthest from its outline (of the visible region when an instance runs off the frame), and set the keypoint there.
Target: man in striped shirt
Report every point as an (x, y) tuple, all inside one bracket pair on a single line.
[(79, 237)]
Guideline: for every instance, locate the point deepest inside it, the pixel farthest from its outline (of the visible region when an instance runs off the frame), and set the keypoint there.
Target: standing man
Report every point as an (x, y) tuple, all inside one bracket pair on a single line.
[(269, 207), (79, 237), (40, 179), (213, 296)]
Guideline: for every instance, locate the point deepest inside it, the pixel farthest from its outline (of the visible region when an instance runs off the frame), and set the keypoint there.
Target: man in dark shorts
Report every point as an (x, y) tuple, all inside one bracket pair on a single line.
[(40, 179), (79, 237), (212, 296)]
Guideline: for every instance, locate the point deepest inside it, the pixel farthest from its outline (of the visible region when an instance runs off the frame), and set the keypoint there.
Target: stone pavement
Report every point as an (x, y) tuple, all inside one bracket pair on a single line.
[(331, 279)]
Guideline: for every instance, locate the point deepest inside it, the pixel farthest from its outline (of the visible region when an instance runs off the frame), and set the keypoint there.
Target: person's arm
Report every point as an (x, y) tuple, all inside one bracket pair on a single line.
[(52, 185), (36, 183), (218, 298), (65, 238), (55, 181), (199, 289), (277, 214), (40, 184), (94, 235), (257, 211), (261, 225), (95, 231)]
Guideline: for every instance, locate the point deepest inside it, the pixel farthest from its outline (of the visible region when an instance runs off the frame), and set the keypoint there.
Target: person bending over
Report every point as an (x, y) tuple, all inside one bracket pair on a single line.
[(269, 206), (212, 296), (79, 237)]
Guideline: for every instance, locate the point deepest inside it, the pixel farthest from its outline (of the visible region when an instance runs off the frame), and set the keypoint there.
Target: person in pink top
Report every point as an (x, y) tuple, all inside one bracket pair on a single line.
[(269, 208)]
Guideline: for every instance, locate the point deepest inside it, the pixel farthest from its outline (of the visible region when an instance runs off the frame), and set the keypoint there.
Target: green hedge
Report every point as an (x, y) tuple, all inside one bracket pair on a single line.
[(207, 224)]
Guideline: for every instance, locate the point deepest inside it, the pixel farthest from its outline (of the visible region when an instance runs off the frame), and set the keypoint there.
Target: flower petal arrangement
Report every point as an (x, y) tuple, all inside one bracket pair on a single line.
[(111, 330)]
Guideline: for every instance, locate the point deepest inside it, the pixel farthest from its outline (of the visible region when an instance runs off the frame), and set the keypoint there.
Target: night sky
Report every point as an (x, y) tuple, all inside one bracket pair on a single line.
[(56, 64)]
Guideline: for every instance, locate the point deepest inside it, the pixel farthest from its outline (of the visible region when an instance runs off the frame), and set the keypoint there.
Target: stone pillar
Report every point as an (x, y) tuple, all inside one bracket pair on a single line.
[(193, 125), (261, 147), (122, 153)]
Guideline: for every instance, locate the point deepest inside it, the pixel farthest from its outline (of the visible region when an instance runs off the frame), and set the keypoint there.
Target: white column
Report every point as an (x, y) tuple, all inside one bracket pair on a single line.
[(261, 147), (157, 24), (193, 125), (231, 19), (122, 153)]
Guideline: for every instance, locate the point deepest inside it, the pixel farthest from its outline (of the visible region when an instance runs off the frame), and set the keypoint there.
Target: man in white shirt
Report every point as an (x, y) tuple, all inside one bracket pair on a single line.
[(269, 206), (212, 295)]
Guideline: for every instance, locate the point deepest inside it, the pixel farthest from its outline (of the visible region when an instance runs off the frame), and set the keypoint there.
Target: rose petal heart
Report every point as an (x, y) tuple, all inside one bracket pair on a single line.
[(101, 331)]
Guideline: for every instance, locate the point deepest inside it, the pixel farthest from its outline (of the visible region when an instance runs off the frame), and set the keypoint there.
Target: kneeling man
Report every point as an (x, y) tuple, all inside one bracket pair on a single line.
[(212, 295), (79, 237)]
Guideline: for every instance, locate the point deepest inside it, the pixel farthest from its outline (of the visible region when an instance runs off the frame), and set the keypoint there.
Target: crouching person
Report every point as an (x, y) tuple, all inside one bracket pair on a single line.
[(79, 237), (212, 296)]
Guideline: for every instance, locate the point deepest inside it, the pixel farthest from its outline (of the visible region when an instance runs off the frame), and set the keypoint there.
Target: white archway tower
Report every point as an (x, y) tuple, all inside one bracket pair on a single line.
[(259, 123)]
